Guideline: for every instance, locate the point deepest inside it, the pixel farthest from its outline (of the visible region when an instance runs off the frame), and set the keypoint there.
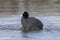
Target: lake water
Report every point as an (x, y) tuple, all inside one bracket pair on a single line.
[(9, 29)]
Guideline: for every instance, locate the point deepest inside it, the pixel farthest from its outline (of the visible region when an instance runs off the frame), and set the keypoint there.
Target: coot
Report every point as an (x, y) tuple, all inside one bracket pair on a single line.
[(30, 23)]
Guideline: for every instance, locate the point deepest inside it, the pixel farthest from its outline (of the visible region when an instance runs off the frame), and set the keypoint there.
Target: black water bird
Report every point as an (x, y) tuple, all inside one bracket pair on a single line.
[(30, 23)]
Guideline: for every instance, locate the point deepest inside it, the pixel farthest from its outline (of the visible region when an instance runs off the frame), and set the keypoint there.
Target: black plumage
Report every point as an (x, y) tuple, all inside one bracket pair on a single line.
[(30, 23)]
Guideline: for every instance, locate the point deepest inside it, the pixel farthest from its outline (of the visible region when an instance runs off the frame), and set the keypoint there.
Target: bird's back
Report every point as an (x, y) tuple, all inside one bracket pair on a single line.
[(35, 23)]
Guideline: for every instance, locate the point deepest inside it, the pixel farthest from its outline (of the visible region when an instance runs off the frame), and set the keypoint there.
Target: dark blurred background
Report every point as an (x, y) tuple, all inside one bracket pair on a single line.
[(9, 8)]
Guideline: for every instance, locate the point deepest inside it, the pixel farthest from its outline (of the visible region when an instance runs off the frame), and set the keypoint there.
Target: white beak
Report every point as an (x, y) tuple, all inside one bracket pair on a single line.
[(21, 15)]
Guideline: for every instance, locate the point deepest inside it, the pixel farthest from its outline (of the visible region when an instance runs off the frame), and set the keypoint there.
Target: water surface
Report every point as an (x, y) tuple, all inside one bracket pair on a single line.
[(9, 29)]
